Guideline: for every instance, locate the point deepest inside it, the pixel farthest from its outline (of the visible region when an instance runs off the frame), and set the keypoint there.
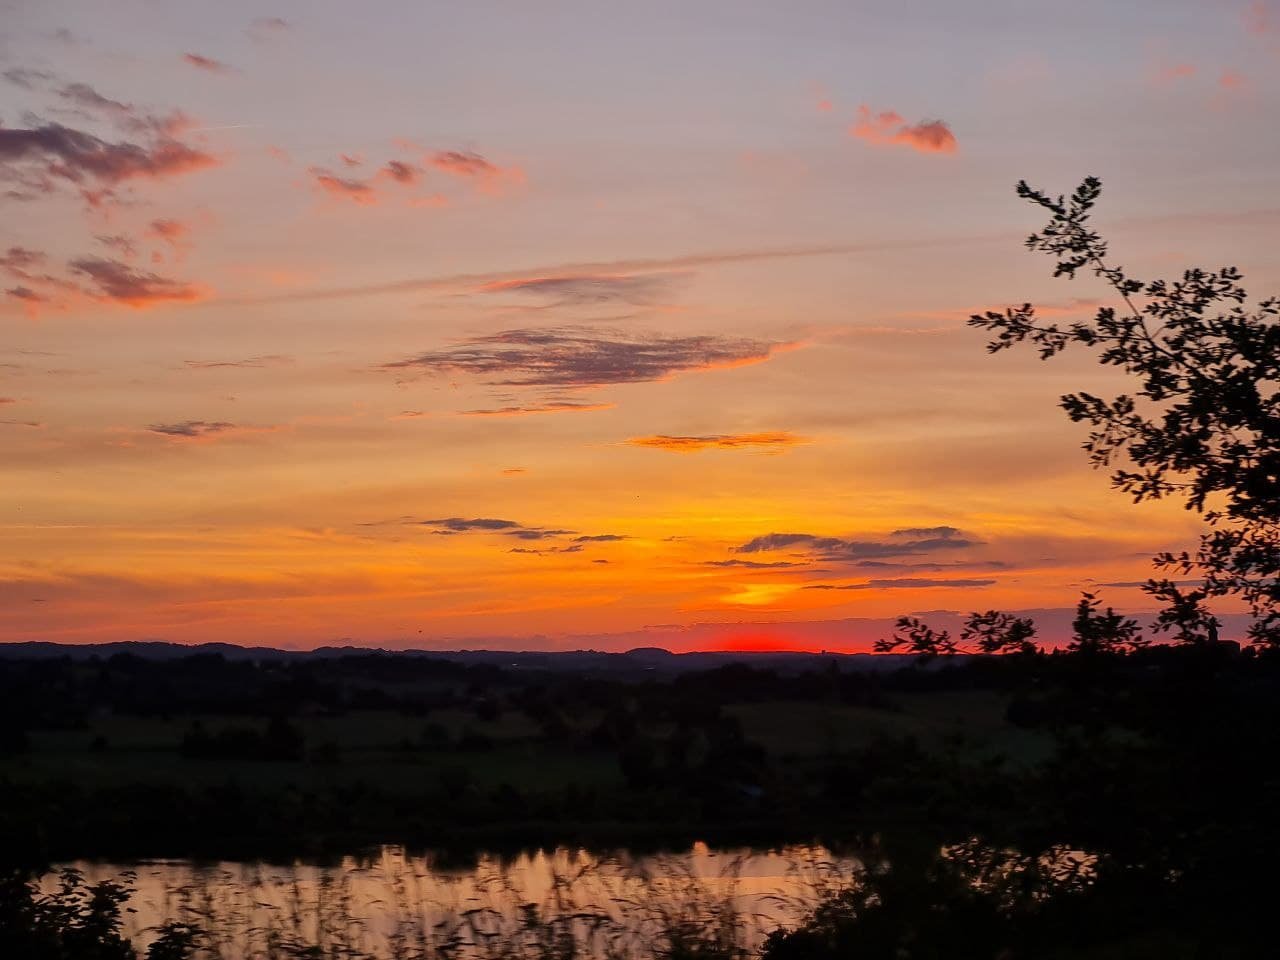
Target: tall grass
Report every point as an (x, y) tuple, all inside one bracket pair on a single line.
[(547, 907)]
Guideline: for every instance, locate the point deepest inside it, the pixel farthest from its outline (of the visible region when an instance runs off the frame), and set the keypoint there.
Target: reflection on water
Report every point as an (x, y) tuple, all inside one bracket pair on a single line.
[(392, 904)]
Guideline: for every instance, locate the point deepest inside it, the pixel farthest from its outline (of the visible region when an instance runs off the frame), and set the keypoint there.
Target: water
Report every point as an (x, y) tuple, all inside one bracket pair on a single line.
[(393, 904)]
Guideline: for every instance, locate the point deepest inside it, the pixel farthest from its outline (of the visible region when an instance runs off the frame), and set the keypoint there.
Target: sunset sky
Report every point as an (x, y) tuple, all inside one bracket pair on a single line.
[(548, 324)]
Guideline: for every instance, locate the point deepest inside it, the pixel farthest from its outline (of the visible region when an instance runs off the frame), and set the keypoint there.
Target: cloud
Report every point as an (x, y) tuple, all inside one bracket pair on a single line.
[(266, 360), (32, 424), (264, 28), (902, 583), (900, 543), (120, 283), (27, 295), (463, 164), (506, 528), (171, 232), (1230, 80), (365, 191), (890, 129), (346, 188), (752, 564), (84, 96), (468, 282), (460, 525), (1143, 583), (722, 441), (570, 540), (18, 261), (119, 242), (401, 172), (573, 290), (37, 156), (555, 406), (191, 429), (1166, 74), (207, 64), (466, 165), (580, 357), (27, 79), (1257, 18), (409, 415)]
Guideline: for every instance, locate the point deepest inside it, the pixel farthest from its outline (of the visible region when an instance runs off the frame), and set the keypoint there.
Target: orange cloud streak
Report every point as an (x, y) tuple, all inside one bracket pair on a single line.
[(720, 441)]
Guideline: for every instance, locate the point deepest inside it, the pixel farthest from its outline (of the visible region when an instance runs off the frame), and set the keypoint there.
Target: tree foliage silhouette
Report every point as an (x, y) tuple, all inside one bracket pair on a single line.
[(1202, 423), (989, 632)]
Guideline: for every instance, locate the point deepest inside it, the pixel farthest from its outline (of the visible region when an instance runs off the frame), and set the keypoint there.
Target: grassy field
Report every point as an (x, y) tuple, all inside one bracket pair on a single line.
[(408, 754)]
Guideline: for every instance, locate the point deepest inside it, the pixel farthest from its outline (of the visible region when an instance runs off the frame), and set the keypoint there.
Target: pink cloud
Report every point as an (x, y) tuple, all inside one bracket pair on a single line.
[(1231, 80), (172, 232), (1169, 74), (344, 188), (60, 152), (888, 128), (207, 64), (435, 200), (467, 165), (401, 172), (1257, 18), (120, 283)]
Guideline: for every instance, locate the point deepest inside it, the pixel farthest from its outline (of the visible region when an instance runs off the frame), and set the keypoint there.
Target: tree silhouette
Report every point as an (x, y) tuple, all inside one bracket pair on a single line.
[(1103, 632), (1203, 422), (996, 632), (989, 632), (919, 638)]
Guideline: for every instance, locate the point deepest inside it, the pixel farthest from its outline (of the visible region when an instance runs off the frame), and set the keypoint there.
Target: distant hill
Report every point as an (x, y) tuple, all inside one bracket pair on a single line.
[(640, 659)]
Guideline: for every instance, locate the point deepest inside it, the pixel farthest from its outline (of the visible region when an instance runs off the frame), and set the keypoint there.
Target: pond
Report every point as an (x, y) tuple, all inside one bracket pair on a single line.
[(391, 903)]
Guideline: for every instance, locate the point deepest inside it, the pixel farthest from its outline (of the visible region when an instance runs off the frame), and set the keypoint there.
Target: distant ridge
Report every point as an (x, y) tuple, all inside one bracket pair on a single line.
[(637, 659)]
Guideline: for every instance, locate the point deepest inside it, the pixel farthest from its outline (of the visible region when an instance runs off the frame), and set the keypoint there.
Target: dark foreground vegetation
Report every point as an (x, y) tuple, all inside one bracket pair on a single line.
[(1111, 799), (1148, 769)]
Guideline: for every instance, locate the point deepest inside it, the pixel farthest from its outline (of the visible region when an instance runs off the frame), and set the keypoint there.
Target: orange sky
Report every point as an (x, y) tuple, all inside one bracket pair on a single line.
[(440, 326)]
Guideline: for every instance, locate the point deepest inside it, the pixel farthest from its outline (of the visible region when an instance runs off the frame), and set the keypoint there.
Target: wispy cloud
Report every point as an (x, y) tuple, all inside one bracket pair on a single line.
[(536, 409), (208, 64), (1232, 81), (908, 541), (264, 28), (753, 564), (888, 128), (19, 261), (74, 155), (902, 583), (191, 429), (469, 282), (175, 234), (718, 441), (1258, 18), (1168, 74), (266, 360), (571, 357), (579, 289), (507, 528), (476, 169), (344, 188), (401, 172), (26, 78), (120, 283)]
